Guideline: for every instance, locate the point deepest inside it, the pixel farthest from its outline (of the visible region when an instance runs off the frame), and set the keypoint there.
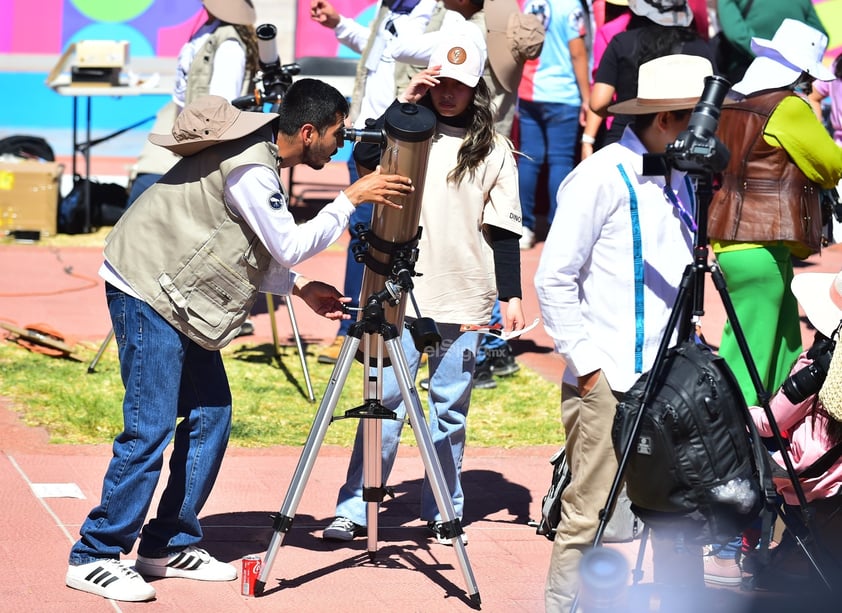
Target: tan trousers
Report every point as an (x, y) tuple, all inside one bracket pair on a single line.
[(590, 453), (593, 464)]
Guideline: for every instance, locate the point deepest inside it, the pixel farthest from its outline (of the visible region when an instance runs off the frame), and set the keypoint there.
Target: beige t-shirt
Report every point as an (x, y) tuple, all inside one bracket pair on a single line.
[(456, 263)]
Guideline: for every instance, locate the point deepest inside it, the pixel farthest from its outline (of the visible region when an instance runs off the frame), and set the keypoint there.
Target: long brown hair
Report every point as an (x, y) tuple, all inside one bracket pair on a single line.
[(249, 38), (479, 139)]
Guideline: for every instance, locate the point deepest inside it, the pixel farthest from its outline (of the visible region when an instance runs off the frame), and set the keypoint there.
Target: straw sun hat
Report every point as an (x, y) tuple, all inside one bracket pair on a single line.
[(668, 83)]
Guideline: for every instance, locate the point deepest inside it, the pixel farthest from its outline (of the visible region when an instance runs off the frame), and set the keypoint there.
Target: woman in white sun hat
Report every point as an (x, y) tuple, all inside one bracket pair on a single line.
[(768, 207)]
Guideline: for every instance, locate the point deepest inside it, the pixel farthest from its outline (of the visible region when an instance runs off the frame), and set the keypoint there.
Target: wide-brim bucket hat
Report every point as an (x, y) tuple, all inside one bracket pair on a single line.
[(795, 48), (207, 121)]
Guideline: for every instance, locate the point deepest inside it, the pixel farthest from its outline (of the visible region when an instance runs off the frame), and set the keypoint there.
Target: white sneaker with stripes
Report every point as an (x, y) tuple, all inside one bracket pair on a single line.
[(189, 563), (109, 578)]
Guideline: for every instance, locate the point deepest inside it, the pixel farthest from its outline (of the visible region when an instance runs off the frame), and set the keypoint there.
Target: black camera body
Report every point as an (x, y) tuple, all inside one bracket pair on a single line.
[(696, 150), (803, 383)]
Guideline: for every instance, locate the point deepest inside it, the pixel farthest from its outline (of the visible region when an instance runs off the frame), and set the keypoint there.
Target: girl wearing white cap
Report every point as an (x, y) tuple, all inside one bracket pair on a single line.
[(468, 254)]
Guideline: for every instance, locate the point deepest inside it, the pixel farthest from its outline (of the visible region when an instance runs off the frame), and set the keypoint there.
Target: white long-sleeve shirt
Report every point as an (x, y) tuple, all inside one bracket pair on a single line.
[(251, 191), (592, 268), (379, 90)]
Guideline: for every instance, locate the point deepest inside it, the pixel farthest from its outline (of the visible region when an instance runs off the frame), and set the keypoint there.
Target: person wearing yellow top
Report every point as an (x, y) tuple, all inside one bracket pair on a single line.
[(768, 209)]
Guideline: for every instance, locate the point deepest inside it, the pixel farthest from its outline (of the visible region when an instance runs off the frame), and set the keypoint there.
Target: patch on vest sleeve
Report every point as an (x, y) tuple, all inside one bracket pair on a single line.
[(277, 201)]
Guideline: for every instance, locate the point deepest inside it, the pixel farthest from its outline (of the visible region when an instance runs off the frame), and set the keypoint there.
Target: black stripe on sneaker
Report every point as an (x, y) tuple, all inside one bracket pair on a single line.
[(185, 561), (101, 576)]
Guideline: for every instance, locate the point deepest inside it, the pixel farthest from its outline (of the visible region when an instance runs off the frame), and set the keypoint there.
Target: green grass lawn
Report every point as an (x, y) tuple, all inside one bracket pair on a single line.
[(270, 403)]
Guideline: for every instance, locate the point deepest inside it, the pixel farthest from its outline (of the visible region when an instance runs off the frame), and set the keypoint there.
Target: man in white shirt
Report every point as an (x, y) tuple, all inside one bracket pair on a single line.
[(607, 282), (183, 267)]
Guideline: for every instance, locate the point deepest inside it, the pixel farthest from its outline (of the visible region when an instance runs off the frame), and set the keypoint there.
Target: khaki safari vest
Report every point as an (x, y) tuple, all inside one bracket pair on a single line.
[(186, 253)]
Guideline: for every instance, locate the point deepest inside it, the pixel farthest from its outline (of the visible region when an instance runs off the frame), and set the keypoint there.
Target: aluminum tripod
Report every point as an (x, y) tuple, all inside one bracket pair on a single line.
[(378, 334)]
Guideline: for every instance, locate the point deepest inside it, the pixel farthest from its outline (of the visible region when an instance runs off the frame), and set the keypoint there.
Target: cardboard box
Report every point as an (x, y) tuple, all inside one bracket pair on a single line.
[(29, 195)]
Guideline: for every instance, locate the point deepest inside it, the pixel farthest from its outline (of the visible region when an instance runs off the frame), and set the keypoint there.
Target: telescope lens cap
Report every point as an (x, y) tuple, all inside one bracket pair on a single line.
[(410, 122)]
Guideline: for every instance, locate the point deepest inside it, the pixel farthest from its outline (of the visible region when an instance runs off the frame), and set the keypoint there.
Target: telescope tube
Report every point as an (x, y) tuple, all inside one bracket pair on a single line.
[(408, 130)]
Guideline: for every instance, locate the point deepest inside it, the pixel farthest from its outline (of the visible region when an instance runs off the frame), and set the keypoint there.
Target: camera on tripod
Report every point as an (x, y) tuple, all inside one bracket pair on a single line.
[(803, 383), (696, 150)]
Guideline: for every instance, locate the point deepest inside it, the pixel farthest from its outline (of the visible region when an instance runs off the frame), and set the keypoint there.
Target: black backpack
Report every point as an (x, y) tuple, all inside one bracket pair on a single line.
[(108, 203), (697, 464)]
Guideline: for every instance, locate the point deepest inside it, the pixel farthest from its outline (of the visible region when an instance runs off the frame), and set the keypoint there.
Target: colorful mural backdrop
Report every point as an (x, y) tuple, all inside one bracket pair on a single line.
[(160, 27), (152, 27)]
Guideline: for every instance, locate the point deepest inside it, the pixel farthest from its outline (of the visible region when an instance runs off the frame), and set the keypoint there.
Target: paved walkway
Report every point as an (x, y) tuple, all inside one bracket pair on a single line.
[(60, 286)]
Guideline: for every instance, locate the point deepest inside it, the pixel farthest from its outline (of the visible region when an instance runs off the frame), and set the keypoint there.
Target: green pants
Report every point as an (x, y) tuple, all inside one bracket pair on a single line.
[(759, 285)]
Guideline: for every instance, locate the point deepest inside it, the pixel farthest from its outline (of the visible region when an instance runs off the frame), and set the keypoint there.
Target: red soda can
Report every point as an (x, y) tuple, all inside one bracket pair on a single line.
[(250, 574)]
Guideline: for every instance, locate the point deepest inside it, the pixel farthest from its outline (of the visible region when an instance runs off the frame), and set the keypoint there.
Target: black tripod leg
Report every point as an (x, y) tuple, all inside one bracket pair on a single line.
[(431, 462), (324, 416), (763, 395)]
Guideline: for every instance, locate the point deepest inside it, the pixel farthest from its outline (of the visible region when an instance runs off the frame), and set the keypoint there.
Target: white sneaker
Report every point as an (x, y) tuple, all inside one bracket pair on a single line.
[(527, 239), (190, 563), (109, 578)]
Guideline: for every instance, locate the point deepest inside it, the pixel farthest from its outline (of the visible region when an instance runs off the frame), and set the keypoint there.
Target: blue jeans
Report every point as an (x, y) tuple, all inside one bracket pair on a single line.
[(353, 269), (141, 183), (167, 378), (489, 342), (548, 133), (451, 377)]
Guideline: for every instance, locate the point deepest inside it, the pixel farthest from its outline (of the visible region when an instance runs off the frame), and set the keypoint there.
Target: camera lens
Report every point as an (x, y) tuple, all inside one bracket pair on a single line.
[(705, 117), (603, 574)]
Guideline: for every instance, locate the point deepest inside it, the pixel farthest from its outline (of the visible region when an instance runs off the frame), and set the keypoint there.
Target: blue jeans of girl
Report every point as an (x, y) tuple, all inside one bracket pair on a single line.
[(451, 376)]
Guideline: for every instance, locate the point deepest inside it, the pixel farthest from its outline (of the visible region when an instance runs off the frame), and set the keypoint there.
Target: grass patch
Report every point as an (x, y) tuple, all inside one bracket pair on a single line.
[(270, 403)]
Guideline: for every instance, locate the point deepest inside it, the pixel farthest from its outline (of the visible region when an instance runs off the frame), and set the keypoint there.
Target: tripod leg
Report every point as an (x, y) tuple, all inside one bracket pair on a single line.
[(373, 446), (95, 361), (431, 463), (301, 354), (323, 418), (730, 311), (270, 307)]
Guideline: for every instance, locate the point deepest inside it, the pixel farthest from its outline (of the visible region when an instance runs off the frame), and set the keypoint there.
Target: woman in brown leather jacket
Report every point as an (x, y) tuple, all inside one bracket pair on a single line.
[(767, 209)]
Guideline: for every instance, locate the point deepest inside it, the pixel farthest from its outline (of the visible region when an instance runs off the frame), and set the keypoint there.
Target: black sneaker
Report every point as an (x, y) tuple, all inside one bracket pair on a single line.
[(424, 384), (437, 529), (343, 529), (503, 362), (483, 377)]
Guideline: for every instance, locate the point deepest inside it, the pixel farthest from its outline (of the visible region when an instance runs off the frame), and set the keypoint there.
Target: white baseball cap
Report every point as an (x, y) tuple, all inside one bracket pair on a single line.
[(461, 53)]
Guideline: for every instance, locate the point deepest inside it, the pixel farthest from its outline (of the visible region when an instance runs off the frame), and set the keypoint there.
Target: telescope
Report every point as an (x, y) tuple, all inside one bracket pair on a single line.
[(274, 78), (389, 246)]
